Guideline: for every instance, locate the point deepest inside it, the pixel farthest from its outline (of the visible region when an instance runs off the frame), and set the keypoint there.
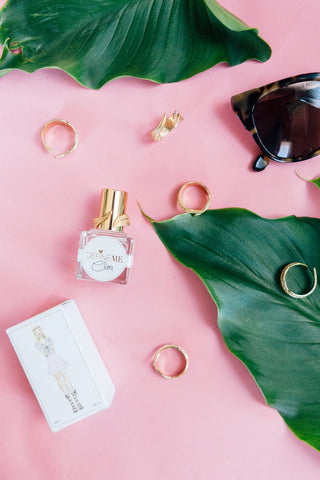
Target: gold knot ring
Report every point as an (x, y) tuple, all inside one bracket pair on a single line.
[(160, 351), (201, 186), (166, 125), (52, 123), (284, 283)]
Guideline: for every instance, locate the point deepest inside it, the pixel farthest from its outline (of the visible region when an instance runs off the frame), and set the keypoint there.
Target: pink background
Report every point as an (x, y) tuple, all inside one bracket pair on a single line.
[(211, 423)]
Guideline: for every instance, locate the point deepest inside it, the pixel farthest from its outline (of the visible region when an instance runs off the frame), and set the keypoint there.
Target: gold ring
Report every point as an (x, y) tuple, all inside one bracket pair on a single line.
[(166, 125), (52, 123), (202, 187), (284, 283), (162, 349)]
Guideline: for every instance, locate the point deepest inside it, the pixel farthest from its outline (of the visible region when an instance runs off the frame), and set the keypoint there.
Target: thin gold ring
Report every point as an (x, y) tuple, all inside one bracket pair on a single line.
[(52, 123), (202, 187), (285, 286), (161, 350)]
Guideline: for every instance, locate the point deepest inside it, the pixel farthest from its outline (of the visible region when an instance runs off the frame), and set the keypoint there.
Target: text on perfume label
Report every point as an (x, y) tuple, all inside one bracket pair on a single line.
[(106, 258)]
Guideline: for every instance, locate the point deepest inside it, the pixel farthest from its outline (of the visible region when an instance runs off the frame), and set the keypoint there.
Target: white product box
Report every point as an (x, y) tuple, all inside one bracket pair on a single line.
[(62, 365)]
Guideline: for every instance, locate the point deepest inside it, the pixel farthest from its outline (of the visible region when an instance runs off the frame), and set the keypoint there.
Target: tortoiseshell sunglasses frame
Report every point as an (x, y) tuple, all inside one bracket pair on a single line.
[(243, 105)]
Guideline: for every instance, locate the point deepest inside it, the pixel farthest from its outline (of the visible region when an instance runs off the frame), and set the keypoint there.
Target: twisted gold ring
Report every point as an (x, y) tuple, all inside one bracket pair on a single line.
[(285, 286), (52, 123), (202, 187), (161, 350)]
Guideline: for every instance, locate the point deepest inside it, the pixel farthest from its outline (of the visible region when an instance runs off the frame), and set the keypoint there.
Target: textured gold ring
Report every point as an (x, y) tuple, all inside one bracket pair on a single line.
[(202, 187), (160, 351), (53, 123), (284, 283)]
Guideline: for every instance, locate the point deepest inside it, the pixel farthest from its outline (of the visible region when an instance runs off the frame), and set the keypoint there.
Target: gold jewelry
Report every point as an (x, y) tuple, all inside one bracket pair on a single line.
[(52, 123), (162, 349), (284, 283), (166, 125), (202, 187)]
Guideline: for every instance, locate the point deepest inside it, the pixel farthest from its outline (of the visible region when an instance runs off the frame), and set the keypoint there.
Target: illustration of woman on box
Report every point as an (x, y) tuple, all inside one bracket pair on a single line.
[(56, 367)]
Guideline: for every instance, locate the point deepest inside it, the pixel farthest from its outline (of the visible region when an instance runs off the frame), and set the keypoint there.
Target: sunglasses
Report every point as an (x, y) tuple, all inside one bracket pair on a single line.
[(284, 118)]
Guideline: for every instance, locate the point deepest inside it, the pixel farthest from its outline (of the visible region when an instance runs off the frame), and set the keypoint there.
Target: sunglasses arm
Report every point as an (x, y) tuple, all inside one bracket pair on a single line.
[(261, 163)]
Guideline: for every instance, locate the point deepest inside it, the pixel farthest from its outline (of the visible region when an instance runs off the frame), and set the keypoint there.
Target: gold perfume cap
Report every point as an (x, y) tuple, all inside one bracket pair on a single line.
[(112, 212)]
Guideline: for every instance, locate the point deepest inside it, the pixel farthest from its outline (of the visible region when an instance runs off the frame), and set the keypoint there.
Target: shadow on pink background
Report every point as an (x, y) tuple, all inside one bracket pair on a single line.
[(212, 422)]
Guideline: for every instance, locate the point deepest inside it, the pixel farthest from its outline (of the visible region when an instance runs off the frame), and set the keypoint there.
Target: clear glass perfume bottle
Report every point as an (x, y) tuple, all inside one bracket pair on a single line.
[(105, 252)]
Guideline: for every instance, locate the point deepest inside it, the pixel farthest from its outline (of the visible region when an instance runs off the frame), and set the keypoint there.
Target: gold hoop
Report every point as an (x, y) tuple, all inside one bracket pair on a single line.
[(52, 123), (161, 350), (202, 187), (284, 283)]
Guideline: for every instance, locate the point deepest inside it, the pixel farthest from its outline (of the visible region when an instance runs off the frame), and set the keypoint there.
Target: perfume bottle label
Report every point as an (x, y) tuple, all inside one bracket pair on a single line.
[(104, 258)]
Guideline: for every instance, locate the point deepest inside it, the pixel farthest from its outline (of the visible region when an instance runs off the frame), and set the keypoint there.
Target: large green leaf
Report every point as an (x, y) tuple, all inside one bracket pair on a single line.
[(98, 40), (239, 257)]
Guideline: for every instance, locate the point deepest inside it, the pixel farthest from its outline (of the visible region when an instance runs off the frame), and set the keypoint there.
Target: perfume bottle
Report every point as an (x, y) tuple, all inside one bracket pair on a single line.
[(106, 253)]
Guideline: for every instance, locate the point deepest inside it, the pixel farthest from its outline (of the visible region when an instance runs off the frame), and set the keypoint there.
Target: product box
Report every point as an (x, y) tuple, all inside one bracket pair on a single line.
[(62, 365)]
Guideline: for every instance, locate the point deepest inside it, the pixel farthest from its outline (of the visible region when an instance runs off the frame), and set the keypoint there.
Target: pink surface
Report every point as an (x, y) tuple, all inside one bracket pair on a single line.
[(211, 423)]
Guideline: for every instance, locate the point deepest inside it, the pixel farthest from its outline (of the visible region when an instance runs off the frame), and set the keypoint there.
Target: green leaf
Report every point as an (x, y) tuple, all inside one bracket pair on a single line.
[(239, 257), (98, 40), (315, 181)]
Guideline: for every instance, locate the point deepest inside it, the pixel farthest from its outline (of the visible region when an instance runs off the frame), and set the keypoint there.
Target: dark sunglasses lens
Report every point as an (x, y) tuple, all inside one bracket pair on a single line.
[(287, 120)]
